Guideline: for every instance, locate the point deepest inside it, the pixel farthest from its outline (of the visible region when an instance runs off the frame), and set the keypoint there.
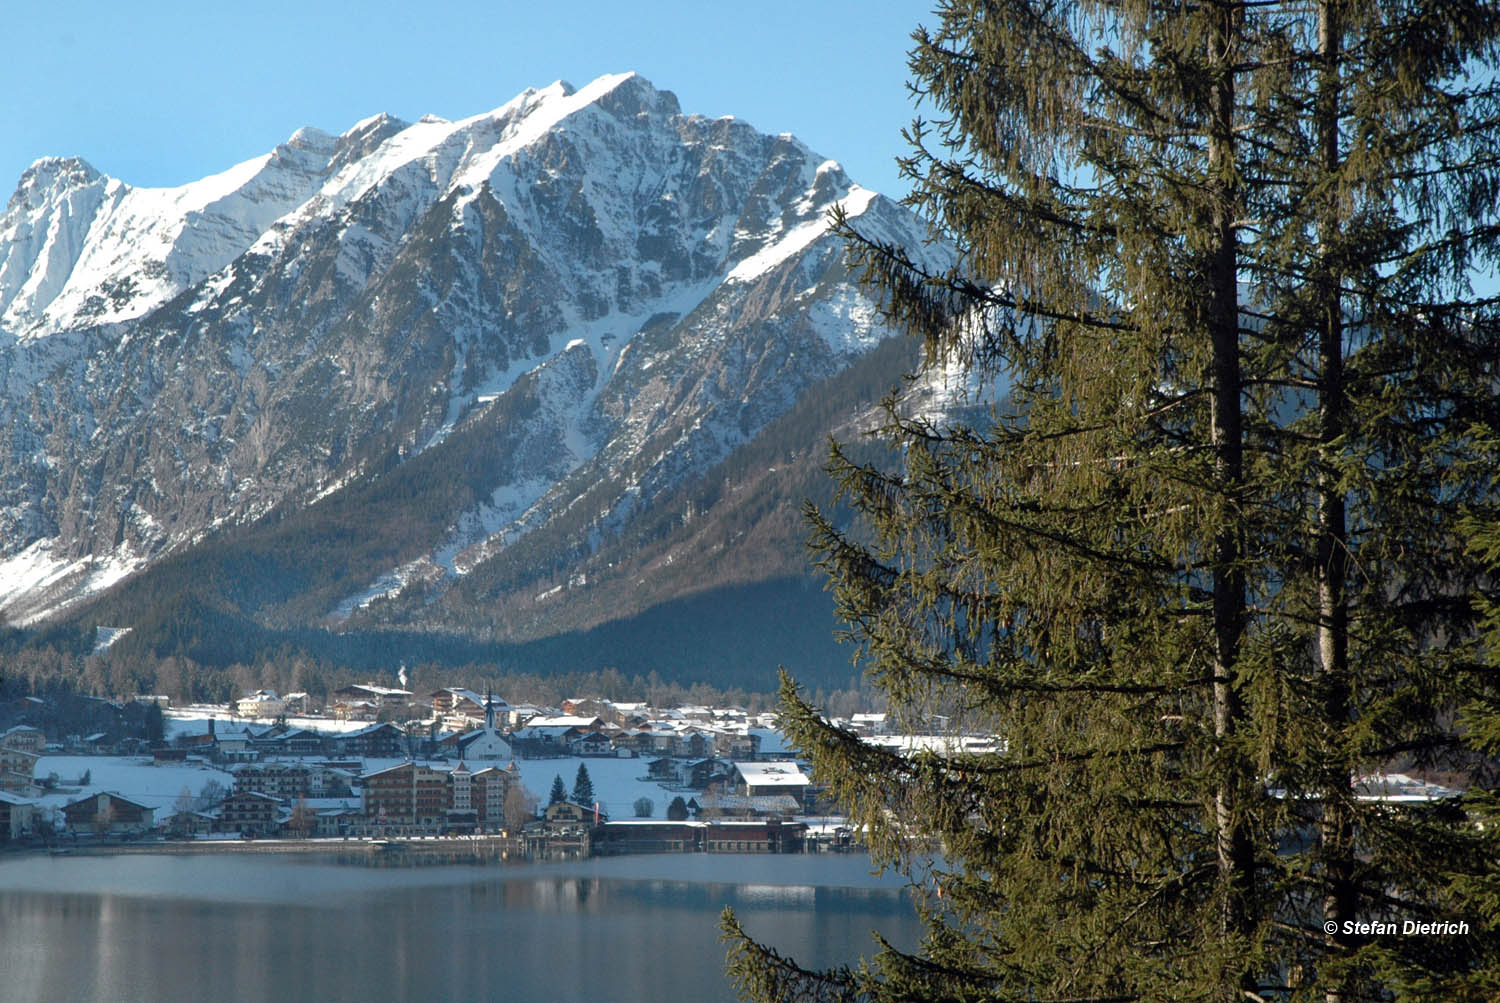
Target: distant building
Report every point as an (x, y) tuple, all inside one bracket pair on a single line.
[(18, 770), (284, 741), (378, 741), (18, 817), (593, 743), (283, 781), (250, 813), (767, 836), (769, 779), (108, 814), (553, 736), (380, 696), (185, 823), (409, 795), (488, 789), (261, 704), (23, 738), (455, 701), (485, 744)]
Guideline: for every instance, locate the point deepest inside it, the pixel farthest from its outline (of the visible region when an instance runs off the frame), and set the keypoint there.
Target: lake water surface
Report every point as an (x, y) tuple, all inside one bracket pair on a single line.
[(301, 928)]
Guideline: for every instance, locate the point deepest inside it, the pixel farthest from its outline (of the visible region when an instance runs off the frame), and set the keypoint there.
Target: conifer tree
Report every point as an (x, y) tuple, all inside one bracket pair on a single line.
[(559, 792), (1205, 568), (583, 786)]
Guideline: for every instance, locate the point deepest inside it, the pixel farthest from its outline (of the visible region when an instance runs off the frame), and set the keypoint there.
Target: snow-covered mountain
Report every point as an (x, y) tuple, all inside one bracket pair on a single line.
[(438, 338)]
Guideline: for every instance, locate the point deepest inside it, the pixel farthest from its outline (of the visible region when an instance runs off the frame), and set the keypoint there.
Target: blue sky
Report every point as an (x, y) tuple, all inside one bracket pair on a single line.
[(160, 93)]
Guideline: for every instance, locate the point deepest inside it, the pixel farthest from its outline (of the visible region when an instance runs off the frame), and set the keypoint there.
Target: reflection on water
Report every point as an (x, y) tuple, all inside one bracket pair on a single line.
[(295, 929)]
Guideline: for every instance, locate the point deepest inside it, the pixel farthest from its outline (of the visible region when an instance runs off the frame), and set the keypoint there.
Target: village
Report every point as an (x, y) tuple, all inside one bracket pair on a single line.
[(389, 767)]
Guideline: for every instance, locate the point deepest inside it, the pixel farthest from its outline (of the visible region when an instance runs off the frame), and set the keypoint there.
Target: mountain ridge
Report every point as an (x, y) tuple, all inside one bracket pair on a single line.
[(590, 297)]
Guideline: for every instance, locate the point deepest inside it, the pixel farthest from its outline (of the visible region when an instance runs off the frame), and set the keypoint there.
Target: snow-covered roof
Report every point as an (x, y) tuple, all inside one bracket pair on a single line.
[(771, 774), (117, 797), (772, 742), (470, 695), (1398, 788), (569, 721), (369, 730), (658, 821), (385, 691)]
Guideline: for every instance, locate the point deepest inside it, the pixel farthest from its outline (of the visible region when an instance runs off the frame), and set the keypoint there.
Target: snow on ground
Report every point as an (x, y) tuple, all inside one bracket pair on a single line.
[(617, 783), (193, 720), (134, 777)]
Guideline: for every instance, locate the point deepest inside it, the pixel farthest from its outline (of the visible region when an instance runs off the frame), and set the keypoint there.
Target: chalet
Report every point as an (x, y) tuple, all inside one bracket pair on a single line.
[(408, 795), (630, 714), (251, 813), (18, 817), (664, 770), (552, 736), (571, 811), (107, 814), (283, 781), (355, 710), (23, 738), (660, 739), (523, 714), (769, 779), (706, 772), (185, 824), (381, 741), (565, 830), (291, 742), (593, 743), (590, 707), (458, 702), (260, 704), (340, 821), (382, 697), (634, 742), (232, 745), (737, 745), (695, 743), (18, 770)]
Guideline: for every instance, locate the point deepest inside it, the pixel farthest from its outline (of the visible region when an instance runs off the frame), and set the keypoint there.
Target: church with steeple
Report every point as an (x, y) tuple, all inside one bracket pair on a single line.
[(484, 744)]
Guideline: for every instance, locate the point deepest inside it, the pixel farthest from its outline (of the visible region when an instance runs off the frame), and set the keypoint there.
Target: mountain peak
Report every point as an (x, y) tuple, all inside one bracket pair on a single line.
[(52, 175), (629, 93), (313, 140), (375, 123)]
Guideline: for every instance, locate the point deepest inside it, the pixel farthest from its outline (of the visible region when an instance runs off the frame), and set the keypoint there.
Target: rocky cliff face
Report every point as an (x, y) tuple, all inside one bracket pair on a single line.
[(444, 336)]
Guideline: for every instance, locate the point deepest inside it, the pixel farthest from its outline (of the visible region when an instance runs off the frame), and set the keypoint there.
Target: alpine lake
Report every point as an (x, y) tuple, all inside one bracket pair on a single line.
[(307, 927)]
